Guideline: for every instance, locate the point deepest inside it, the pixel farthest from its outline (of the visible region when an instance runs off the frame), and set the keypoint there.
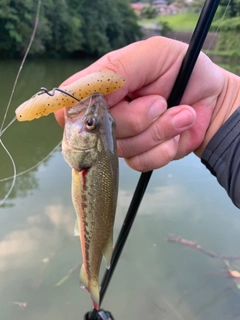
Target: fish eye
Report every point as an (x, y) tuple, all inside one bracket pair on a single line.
[(91, 123)]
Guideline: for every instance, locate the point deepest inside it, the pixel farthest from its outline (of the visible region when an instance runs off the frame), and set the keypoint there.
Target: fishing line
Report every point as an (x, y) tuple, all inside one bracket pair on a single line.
[(22, 63), (219, 25), (197, 40), (9, 103), (10, 123), (14, 173), (36, 165)]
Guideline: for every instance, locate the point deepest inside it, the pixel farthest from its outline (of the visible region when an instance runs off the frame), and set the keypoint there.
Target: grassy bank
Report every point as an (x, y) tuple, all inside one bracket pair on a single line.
[(178, 22)]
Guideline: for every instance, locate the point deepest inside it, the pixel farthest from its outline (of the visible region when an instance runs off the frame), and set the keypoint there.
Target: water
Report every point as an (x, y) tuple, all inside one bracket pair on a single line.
[(154, 279)]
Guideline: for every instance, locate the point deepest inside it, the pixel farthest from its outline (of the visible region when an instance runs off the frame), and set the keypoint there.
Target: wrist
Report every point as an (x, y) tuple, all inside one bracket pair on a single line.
[(226, 104)]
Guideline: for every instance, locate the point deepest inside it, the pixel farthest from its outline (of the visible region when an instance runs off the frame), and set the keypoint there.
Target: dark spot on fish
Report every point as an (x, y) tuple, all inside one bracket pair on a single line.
[(84, 198), (84, 205)]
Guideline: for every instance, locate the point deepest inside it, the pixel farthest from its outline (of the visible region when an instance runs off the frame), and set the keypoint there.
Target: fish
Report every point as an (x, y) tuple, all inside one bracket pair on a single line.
[(45, 102), (89, 147)]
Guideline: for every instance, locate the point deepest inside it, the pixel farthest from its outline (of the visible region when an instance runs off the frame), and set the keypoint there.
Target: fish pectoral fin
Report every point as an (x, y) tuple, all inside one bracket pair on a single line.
[(107, 252), (76, 229), (83, 277)]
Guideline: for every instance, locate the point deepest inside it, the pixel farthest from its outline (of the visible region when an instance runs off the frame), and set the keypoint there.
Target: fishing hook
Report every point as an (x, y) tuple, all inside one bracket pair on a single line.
[(52, 92)]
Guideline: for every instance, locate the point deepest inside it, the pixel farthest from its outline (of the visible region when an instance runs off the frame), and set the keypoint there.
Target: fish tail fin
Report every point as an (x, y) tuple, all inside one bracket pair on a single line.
[(107, 252), (94, 292), (83, 277)]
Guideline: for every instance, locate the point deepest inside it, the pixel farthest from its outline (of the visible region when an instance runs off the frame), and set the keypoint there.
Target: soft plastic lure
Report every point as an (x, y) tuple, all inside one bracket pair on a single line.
[(45, 102)]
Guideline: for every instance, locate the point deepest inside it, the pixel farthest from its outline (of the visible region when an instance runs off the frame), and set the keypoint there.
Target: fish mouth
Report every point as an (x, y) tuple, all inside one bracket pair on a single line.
[(83, 149), (77, 149)]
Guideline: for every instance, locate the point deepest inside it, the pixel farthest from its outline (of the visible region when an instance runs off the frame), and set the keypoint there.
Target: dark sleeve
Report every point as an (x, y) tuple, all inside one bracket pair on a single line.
[(222, 156)]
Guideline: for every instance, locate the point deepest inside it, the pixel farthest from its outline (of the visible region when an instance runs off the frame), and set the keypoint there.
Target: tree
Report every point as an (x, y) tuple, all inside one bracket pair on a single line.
[(108, 25), (228, 10), (66, 27), (228, 33), (148, 12), (15, 25), (229, 27), (196, 5)]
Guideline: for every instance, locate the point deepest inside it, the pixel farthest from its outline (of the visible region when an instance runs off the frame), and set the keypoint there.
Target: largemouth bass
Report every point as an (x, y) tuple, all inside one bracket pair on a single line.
[(89, 147)]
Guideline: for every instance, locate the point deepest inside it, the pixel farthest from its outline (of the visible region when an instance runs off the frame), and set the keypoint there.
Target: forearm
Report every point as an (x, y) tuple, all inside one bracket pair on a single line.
[(221, 155)]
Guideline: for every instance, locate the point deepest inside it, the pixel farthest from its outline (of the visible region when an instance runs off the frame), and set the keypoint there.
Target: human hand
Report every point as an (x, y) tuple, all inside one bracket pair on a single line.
[(148, 134)]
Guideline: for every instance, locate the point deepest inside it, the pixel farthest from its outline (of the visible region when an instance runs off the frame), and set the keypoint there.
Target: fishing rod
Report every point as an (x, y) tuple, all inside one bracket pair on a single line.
[(184, 74)]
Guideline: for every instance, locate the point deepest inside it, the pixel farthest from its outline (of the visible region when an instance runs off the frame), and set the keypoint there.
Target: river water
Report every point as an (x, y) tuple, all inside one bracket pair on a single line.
[(154, 279)]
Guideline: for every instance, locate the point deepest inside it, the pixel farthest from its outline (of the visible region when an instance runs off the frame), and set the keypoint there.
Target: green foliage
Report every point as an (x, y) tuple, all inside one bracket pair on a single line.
[(232, 25), (107, 25), (164, 27), (66, 27), (196, 5), (148, 12), (228, 36), (181, 22), (228, 10), (15, 25)]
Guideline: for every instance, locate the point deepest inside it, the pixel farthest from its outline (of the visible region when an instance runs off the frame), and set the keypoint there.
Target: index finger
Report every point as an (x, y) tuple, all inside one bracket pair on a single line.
[(141, 63), (149, 67)]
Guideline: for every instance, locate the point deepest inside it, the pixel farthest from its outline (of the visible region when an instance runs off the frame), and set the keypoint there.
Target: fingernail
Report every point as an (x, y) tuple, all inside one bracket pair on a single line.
[(183, 119), (156, 108)]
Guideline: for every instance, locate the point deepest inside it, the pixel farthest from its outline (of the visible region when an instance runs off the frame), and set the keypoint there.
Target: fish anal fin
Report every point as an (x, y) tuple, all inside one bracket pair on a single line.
[(107, 252), (83, 278)]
